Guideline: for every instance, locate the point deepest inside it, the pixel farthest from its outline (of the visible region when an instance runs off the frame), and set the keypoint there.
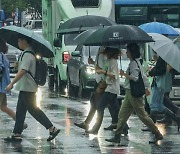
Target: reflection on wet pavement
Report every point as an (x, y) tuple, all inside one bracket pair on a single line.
[(64, 111)]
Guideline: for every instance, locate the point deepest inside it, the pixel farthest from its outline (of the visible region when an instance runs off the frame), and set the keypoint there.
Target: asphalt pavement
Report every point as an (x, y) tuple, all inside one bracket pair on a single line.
[(63, 112)]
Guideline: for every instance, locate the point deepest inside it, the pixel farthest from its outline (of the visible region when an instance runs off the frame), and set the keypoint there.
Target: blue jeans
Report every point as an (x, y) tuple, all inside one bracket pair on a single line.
[(157, 98)]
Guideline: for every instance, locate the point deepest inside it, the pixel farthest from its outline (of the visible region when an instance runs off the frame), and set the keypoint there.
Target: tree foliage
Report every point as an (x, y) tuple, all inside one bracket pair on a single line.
[(30, 6)]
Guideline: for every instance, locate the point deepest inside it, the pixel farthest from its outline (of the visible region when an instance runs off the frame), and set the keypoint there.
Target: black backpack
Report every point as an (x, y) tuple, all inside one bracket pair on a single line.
[(41, 70)]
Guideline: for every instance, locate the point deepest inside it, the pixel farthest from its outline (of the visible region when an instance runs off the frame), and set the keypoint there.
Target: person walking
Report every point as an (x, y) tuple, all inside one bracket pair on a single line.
[(109, 97), (132, 103), (27, 88), (95, 97), (161, 71), (5, 80)]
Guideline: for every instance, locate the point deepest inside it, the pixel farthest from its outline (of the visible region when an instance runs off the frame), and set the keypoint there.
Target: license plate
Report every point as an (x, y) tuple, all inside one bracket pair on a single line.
[(176, 92)]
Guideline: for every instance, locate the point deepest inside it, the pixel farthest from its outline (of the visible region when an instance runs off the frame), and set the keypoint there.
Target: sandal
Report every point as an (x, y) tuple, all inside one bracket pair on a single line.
[(53, 134), (13, 138)]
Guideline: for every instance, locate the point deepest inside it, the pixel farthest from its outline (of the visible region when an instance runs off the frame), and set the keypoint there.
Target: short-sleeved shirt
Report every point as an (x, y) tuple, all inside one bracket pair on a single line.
[(100, 61), (113, 84), (27, 62)]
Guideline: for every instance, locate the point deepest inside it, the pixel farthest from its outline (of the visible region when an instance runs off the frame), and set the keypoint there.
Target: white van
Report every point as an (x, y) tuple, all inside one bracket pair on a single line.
[(33, 24)]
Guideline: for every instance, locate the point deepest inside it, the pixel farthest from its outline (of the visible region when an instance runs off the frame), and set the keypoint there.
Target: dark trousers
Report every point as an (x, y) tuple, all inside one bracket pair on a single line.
[(27, 102), (169, 104), (105, 100), (94, 101)]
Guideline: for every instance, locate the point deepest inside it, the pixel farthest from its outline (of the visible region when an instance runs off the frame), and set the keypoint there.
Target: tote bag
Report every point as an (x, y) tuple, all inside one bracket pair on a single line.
[(164, 82), (137, 87)]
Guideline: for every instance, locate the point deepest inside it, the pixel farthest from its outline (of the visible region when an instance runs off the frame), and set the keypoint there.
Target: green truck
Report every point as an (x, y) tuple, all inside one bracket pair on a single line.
[(55, 12)]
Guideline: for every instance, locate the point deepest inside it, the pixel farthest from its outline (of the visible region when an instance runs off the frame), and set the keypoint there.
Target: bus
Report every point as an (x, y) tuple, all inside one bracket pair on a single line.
[(2, 16), (137, 12)]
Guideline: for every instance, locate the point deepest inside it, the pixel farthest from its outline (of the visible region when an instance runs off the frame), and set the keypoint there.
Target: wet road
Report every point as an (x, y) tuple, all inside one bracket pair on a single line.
[(64, 112)]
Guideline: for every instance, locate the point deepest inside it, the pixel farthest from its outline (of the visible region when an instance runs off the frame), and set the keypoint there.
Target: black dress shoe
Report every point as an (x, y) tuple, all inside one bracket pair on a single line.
[(115, 139), (155, 138), (111, 127), (82, 125)]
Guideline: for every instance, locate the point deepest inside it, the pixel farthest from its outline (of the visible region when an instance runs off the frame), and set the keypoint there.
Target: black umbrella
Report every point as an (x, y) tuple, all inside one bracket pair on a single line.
[(116, 35), (83, 36), (82, 23), (39, 44)]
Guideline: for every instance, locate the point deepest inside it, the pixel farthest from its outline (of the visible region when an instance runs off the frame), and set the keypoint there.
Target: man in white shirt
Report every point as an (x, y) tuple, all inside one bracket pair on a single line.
[(27, 88)]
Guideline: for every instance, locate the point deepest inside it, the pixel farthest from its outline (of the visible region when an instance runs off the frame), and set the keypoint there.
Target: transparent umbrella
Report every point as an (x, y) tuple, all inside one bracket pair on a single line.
[(166, 49)]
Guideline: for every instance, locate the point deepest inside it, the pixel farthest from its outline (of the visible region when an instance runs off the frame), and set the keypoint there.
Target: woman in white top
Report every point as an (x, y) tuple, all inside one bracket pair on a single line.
[(109, 97), (95, 97), (132, 103)]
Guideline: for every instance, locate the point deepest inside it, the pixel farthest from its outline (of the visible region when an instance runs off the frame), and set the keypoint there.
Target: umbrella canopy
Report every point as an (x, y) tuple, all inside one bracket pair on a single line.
[(161, 28), (83, 36), (166, 49), (41, 46), (116, 35), (82, 23)]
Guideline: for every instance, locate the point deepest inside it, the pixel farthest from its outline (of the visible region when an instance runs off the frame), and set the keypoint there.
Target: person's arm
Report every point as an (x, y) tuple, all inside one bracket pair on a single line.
[(106, 73), (18, 76), (159, 69), (134, 72)]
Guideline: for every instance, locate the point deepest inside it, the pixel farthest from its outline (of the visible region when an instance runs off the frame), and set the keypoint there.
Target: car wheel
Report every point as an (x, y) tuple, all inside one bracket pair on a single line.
[(59, 84), (51, 79), (70, 88), (81, 89)]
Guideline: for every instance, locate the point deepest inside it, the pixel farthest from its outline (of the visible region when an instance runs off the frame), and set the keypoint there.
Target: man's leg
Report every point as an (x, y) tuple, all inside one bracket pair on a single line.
[(20, 113), (35, 111)]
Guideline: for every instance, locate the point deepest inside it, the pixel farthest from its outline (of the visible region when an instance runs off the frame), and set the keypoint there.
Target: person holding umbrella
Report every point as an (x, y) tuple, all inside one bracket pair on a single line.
[(161, 73), (132, 103), (5, 80), (27, 88), (95, 97), (109, 97)]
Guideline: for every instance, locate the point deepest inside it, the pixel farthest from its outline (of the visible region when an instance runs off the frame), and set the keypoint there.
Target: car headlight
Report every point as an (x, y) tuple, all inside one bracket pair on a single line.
[(38, 56), (90, 70)]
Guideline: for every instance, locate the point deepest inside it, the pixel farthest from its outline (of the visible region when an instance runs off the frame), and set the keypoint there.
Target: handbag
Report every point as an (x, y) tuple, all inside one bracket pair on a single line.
[(101, 87), (164, 82), (137, 87)]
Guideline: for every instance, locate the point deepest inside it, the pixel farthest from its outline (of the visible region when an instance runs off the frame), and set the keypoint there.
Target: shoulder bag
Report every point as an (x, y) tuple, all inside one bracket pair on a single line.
[(137, 87), (164, 82)]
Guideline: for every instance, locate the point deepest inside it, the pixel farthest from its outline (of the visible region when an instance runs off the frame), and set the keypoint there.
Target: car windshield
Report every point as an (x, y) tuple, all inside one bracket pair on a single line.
[(89, 51), (69, 39)]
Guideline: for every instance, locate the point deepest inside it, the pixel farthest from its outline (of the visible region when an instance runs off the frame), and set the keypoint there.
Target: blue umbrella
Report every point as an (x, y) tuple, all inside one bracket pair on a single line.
[(161, 28)]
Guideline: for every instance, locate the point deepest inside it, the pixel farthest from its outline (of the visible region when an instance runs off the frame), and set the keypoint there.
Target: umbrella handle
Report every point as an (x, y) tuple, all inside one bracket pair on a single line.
[(89, 52), (120, 63)]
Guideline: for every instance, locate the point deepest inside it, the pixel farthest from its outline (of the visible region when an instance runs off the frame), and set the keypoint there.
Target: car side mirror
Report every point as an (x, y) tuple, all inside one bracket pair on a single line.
[(57, 42), (76, 54)]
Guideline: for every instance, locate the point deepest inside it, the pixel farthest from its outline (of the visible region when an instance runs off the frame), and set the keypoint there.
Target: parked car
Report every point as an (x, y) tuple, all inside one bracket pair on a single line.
[(12, 55), (175, 93), (79, 73), (33, 24)]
